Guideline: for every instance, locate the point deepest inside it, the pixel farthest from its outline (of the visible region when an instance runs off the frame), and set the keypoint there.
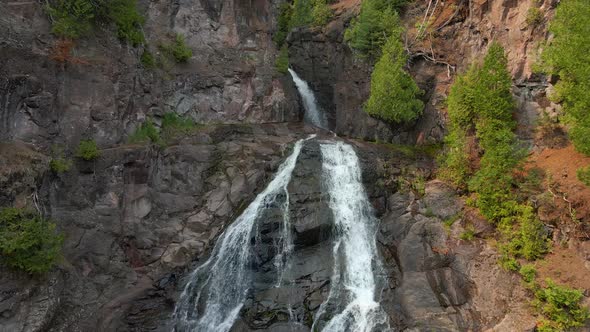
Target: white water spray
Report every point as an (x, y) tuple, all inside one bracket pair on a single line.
[(216, 291), (312, 114), (352, 304)]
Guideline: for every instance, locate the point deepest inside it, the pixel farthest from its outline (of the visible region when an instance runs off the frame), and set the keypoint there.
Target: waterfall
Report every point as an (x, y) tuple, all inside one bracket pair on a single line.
[(217, 289), (312, 114), (352, 304)]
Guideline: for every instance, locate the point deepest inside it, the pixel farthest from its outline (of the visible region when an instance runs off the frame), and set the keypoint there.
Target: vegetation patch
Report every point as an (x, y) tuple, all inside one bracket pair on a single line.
[(145, 133), (282, 62), (534, 16), (283, 24), (172, 127), (568, 56), (60, 165), (321, 13), (561, 307), (147, 60), (468, 234), (73, 19), (583, 175), (369, 31), (88, 150), (480, 104), (27, 241), (178, 49)]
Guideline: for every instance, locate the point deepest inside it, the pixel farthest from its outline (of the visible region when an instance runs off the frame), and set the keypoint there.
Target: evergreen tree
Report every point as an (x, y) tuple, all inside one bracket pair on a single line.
[(371, 29), (568, 56), (394, 94)]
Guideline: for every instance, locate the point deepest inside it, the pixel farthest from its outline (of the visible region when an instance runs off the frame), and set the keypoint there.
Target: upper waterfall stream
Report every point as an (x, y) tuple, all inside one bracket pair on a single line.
[(312, 114)]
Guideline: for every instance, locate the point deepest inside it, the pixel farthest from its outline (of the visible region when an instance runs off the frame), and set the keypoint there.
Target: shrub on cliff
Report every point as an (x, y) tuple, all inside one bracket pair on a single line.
[(283, 22), (394, 94), (568, 56), (88, 150), (480, 104), (27, 241), (302, 13), (178, 49), (321, 12), (561, 306), (127, 19), (174, 126), (308, 12), (480, 101), (145, 133), (73, 19), (371, 29), (583, 175), (282, 62), (171, 127), (60, 165)]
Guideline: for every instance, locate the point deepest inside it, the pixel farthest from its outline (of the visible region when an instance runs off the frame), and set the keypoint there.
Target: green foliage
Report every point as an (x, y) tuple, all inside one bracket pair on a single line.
[(283, 24), (172, 126), (302, 13), (568, 56), (145, 133), (455, 165), (532, 237), (583, 175), (534, 16), (468, 234), (127, 19), (87, 150), (480, 102), (27, 241), (561, 307), (509, 263), (451, 220), (178, 49), (71, 18), (60, 165), (394, 94), (528, 273), (147, 59), (371, 29), (321, 12), (282, 62)]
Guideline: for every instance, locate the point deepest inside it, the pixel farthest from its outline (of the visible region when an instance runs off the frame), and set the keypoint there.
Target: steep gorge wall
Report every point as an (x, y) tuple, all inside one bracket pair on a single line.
[(106, 93)]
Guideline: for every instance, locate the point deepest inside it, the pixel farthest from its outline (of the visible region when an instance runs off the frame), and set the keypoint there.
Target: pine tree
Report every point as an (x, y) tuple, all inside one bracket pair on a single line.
[(394, 94)]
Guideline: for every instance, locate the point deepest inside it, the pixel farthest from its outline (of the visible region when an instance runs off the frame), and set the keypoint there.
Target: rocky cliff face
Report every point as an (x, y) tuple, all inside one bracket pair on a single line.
[(133, 220), (104, 93), (140, 217), (458, 35)]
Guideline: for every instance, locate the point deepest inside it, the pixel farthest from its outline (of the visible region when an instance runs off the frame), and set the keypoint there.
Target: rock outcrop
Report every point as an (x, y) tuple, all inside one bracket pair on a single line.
[(103, 92), (133, 221)]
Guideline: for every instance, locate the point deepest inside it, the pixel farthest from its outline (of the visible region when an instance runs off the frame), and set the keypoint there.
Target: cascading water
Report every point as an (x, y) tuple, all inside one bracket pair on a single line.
[(217, 289), (215, 293), (352, 304), (312, 114)]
